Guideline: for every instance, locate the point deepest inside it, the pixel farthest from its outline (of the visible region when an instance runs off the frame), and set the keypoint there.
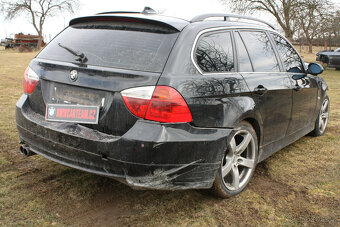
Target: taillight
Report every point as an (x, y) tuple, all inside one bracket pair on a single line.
[(167, 105), (160, 103), (30, 80), (137, 99)]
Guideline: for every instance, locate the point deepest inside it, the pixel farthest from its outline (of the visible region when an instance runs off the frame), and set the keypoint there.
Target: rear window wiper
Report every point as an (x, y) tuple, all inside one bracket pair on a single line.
[(82, 58)]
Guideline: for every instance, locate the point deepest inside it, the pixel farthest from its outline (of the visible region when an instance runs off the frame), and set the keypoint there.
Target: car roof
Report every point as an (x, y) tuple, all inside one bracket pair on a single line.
[(177, 23)]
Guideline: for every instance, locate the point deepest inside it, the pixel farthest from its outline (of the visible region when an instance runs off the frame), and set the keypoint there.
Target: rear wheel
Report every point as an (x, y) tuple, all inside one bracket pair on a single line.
[(238, 163), (322, 120)]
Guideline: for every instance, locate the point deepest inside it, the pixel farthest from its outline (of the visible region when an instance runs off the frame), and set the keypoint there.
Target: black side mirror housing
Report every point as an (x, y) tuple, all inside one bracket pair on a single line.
[(314, 69)]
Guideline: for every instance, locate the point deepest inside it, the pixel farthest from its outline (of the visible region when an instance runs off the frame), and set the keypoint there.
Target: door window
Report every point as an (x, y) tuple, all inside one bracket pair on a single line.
[(290, 59), (244, 63), (214, 53), (261, 51)]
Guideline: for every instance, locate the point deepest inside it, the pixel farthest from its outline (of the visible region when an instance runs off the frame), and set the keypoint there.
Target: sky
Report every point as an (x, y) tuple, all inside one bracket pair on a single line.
[(186, 9)]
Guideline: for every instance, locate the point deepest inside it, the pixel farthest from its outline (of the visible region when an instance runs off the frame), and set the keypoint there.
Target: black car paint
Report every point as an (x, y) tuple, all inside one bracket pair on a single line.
[(147, 154), (331, 58)]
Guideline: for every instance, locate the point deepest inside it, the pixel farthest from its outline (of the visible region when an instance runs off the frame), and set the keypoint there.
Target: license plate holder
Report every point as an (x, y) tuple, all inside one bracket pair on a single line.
[(72, 113)]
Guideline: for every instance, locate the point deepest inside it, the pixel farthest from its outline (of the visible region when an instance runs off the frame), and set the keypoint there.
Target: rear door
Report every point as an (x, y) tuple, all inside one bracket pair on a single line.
[(304, 90), (271, 88)]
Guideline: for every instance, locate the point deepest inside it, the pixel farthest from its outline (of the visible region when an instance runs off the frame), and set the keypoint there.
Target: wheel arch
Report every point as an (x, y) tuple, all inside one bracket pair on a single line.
[(258, 129)]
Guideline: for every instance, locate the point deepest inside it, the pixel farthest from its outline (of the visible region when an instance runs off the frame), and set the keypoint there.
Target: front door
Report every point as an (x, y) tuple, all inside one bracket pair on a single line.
[(304, 86)]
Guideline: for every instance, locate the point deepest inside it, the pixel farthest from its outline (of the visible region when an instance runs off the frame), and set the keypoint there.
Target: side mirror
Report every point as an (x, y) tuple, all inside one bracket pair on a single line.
[(314, 69)]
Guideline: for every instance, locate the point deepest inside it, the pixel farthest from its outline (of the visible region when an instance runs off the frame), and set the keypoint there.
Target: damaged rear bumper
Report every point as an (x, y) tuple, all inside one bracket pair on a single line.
[(150, 155)]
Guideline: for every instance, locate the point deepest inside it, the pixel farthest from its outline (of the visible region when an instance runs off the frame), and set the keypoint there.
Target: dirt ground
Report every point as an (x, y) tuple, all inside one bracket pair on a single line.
[(298, 186)]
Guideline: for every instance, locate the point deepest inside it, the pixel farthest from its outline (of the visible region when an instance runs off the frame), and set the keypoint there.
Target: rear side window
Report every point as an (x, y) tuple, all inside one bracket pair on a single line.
[(290, 58), (244, 63), (261, 51), (214, 52), (125, 45)]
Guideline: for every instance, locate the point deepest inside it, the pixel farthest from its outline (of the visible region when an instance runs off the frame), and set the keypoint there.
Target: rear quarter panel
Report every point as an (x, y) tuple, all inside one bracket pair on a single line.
[(216, 100)]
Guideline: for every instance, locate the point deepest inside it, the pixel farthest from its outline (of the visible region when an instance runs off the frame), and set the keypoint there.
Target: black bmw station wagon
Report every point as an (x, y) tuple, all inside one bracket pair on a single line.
[(159, 102)]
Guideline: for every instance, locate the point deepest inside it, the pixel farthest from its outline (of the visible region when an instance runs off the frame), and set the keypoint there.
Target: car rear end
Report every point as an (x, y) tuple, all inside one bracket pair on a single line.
[(104, 113)]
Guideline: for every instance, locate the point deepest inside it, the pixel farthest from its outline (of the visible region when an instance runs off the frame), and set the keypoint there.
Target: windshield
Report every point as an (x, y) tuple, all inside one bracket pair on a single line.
[(125, 45)]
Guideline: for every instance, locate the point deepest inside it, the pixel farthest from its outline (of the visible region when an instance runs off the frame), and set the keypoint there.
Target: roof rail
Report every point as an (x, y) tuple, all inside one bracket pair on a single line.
[(227, 18), (146, 10)]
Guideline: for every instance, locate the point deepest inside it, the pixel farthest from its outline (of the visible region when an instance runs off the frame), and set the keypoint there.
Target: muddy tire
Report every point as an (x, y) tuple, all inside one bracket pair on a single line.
[(238, 163)]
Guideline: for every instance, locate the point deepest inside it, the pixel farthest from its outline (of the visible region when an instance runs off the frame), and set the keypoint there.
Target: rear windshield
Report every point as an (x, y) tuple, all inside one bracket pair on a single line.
[(125, 45)]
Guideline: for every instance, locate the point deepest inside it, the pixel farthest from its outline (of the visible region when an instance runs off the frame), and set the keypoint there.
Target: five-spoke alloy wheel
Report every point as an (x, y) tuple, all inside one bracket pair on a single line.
[(238, 163), (322, 120)]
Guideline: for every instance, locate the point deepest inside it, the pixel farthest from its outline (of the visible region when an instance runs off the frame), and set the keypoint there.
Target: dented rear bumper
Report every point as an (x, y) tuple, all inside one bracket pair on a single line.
[(150, 155)]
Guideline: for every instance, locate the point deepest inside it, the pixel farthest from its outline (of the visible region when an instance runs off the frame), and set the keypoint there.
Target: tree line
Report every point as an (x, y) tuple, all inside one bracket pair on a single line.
[(37, 11), (301, 20)]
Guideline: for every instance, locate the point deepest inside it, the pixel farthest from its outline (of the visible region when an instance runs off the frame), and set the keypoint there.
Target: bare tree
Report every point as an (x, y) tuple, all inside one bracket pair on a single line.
[(312, 18), (335, 27), (284, 11), (325, 28), (37, 10)]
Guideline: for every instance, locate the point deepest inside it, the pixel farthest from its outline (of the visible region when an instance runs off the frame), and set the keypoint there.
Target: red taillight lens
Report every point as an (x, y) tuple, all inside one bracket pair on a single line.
[(137, 106), (167, 105), (137, 99), (161, 103), (30, 80)]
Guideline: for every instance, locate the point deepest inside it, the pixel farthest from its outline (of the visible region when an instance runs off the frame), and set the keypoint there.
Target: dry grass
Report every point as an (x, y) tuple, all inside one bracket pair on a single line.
[(298, 186)]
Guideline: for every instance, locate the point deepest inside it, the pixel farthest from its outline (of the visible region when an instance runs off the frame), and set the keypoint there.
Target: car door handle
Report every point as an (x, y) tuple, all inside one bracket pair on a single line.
[(260, 90)]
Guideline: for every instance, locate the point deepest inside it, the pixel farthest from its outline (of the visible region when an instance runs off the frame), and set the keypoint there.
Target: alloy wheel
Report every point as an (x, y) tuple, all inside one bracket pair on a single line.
[(239, 161), (323, 116)]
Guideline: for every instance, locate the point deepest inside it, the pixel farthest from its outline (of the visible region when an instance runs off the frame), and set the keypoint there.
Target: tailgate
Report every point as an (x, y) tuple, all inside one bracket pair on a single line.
[(94, 87)]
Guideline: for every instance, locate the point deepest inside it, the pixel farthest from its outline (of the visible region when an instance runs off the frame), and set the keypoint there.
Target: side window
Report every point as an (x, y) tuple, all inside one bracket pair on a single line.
[(242, 55), (290, 59), (214, 53), (261, 51)]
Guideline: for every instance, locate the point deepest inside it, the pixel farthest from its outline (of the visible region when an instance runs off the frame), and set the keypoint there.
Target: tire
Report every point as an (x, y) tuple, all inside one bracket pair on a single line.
[(322, 119), (238, 163)]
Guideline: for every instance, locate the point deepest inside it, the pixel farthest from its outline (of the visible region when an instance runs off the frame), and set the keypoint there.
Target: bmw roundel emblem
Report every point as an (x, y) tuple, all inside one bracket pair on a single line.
[(73, 75), (51, 111)]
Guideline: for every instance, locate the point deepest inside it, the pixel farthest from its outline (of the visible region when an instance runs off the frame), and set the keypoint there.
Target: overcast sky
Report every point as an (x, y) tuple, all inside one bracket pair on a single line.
[(186, 9)]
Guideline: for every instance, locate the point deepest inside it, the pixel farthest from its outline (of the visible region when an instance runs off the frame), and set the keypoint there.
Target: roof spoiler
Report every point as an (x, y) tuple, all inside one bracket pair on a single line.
[(146, 16), (227, 18)]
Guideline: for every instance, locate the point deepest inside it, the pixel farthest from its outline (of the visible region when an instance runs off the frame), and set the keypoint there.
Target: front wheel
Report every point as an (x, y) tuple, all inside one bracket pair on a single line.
[(238, 163), (322, 120)]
